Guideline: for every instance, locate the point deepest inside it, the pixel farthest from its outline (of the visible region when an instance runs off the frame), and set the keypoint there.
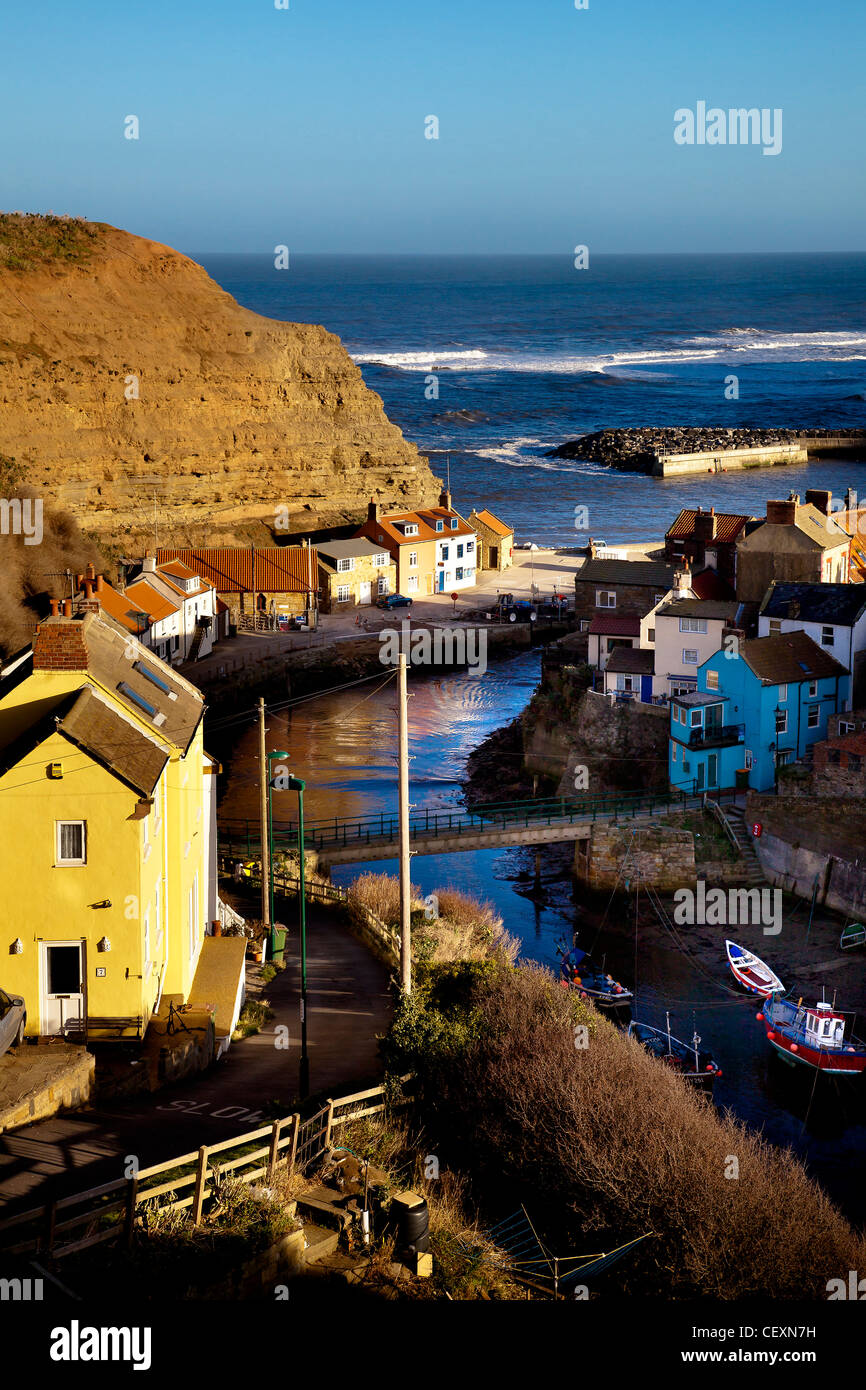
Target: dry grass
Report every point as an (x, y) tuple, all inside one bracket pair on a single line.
[(28, 240), (465, 928), (611, 1141)]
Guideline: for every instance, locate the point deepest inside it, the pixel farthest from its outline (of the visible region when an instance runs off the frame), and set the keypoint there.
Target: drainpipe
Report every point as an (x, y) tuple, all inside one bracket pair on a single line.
[(799, 713)]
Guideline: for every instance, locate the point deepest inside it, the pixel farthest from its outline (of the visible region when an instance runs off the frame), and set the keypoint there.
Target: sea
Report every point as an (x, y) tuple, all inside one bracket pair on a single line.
[(487, 363), (525, 353)]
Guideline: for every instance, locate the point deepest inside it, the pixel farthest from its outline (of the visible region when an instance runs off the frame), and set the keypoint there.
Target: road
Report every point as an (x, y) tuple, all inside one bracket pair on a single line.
[(349, 1003)]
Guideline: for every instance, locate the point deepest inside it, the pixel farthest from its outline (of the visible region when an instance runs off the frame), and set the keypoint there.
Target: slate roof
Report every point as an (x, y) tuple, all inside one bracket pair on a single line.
[(786, 658), (699, 608), (651, 573), (824, 532), (815, 603), (632, 661), (356, 548), (278, 569), (101, 731), (115, 660), (612, 626), (728, 526)]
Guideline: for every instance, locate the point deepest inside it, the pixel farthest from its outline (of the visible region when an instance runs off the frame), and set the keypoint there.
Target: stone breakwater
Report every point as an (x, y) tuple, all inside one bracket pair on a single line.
[(640, 450)]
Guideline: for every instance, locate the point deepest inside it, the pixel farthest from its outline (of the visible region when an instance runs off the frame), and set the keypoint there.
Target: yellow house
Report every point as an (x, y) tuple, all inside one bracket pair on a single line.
[(108, 828)]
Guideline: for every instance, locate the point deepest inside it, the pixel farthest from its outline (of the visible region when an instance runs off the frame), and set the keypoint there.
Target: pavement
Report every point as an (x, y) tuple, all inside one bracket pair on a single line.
[(349, 1003)]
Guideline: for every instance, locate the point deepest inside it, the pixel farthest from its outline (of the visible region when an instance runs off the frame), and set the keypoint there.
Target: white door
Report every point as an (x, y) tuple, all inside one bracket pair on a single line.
[(62, 975), (366, 590)]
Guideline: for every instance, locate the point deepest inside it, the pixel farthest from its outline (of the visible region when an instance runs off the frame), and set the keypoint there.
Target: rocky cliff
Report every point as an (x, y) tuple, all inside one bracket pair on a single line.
[(136, 392)]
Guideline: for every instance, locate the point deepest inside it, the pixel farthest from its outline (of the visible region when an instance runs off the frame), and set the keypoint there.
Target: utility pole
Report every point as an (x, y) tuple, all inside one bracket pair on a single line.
[(263, 809), (403, 779)]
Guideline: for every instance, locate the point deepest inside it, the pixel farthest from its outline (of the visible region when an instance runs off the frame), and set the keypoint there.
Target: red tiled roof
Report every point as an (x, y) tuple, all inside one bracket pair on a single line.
[(146, 597), (290, 569), (494, 523), (425, 520), (121, 608), (728, 526), (612, 626)]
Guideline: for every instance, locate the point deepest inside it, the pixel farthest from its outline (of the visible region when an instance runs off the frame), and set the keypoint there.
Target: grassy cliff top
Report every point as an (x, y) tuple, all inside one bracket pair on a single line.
[(29, 240)]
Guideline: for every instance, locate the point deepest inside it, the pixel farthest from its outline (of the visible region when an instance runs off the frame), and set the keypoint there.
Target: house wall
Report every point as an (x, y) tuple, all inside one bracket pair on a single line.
[(447, 551), (631, 599), (487, 539), (670, 642), (422, 572), (365, 571), (848, 646), (759, 562)]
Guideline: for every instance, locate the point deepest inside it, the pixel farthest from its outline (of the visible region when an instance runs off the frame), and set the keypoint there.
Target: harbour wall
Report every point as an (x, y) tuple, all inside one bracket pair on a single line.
[(759, 456)]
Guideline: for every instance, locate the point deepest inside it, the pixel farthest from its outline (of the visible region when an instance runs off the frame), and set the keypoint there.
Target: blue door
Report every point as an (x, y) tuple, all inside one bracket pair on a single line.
[(646, 689), (441, 581)]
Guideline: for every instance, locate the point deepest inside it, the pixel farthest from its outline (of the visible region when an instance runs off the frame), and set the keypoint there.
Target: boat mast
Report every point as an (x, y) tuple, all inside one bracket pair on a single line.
[(668, 1020)]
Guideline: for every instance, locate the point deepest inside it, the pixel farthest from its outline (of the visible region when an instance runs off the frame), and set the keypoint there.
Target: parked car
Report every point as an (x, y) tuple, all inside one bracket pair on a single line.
[(13, 1020), (393, 601)]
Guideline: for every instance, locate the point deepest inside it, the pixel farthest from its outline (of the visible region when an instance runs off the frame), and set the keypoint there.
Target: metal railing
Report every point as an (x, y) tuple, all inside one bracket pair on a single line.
[(717, 735), (241, 838)]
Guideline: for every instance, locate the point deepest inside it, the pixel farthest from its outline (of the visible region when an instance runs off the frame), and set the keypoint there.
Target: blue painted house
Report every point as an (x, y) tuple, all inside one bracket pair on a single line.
[(757, 706)]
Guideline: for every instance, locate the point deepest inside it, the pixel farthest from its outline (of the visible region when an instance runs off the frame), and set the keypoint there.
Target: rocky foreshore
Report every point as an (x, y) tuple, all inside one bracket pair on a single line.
[(637, 449)]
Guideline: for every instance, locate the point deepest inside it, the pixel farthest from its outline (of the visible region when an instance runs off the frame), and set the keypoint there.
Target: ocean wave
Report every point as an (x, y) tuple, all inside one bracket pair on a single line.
[(520, 453), (740, 344)]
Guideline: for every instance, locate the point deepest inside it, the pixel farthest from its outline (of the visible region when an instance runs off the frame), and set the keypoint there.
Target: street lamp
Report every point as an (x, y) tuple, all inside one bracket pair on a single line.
[(286, 782), (280, 753)]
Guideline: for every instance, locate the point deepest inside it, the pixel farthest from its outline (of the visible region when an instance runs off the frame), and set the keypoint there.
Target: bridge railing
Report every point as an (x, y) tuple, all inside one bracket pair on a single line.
[(239, 838)]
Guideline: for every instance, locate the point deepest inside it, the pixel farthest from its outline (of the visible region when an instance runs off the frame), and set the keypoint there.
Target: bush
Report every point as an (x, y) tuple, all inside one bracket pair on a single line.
[(602, 1139)]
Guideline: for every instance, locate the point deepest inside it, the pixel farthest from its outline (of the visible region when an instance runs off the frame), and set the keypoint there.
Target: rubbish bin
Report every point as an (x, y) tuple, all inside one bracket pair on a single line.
[(413, 1229), (742, 779), (280, 934)]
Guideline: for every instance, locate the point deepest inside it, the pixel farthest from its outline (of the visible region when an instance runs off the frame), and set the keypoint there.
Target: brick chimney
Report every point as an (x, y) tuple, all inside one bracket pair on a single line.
[(60, 644), (706, 524), (445, 499), (820, 499), (372, 510), (782, 513)]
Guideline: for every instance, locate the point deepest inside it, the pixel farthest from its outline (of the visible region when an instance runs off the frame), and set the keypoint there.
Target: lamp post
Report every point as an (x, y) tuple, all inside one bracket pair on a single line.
[(280, 753), (284, 781)]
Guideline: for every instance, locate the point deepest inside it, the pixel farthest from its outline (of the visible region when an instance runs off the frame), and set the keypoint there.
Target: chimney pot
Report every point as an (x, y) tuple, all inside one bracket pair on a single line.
[(91, 572), (100, 583), (67, 608), (55, 606), (373, 510)]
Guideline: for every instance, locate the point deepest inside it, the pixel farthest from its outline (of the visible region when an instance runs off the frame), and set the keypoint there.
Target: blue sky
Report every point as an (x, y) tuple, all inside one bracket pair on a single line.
[(305, 126)]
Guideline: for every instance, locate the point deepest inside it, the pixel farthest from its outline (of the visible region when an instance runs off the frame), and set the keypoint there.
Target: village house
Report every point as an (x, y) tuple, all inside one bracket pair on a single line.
[(839, 762), (624, 587), (495, 541), (797, 541), (272, 582), (685, 633), (352, 573), (755, 710), (834, 616), (109, 799), (609, 631), (169, 609), (707, 540), (434, 549)]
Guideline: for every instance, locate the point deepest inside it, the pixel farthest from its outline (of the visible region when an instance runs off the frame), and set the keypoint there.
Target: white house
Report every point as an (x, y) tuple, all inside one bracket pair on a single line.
[(182, 609), (685, 633), (833, 615)]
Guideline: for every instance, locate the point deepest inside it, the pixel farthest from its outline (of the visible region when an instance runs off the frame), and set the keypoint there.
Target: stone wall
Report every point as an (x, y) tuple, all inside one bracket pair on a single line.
[(623, 746), (656, 855), (807, 838), (39, 1081)]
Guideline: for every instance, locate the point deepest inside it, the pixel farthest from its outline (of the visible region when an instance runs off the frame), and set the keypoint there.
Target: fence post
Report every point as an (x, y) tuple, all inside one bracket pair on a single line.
[(50, 1222), (129, 1213), (293, 1147), (329, 1121), (276, 1129), (200, 1180)]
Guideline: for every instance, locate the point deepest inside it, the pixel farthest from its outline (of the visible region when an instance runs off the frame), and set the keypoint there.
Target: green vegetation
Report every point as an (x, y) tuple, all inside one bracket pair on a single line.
[(254, 1014), (603, 1144), (28, 240), (711, 843)]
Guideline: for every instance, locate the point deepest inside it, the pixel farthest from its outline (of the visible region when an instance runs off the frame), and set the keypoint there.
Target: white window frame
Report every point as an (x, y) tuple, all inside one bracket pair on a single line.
[(381, 560), (603, 598), (693, 625), (783, 694), (813, 718), (775, 627), (412, 583), (781, 721), (813, 690), (382, 585), (345, 564), (410, 528), (74, 861), (413, 559), (825, 640), (690, 656), (344, 593), (696, 720)]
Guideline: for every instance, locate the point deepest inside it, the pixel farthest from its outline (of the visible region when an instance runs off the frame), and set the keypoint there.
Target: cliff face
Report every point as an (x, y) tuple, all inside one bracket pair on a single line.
[(135, 391)]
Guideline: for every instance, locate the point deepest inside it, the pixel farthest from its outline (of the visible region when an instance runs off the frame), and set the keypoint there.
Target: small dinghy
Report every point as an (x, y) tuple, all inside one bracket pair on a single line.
[(816, 1037), (579, 972), (692, 1064), (751, 972), (853, 935)]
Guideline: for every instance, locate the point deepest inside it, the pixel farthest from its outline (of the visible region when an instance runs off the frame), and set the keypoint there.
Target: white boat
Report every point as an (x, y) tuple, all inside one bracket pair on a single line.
[(751, 972)]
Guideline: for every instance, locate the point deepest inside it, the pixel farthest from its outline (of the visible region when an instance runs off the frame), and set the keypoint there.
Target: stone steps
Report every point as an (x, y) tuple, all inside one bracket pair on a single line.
[(319, 1242)]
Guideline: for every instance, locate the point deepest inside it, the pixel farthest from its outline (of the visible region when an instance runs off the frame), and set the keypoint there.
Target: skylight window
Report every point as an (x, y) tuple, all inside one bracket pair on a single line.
[(150, 675), (137, 699)]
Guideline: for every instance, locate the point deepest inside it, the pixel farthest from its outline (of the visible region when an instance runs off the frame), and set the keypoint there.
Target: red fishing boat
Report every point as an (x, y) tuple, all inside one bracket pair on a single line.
[(816, 1037)]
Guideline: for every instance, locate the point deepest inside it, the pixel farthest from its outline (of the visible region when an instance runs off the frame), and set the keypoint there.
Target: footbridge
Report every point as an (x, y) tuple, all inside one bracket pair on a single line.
[(355, 839)]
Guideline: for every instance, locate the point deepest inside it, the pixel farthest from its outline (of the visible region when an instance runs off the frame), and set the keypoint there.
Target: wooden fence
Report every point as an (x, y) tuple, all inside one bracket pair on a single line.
[(108, 1212)]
